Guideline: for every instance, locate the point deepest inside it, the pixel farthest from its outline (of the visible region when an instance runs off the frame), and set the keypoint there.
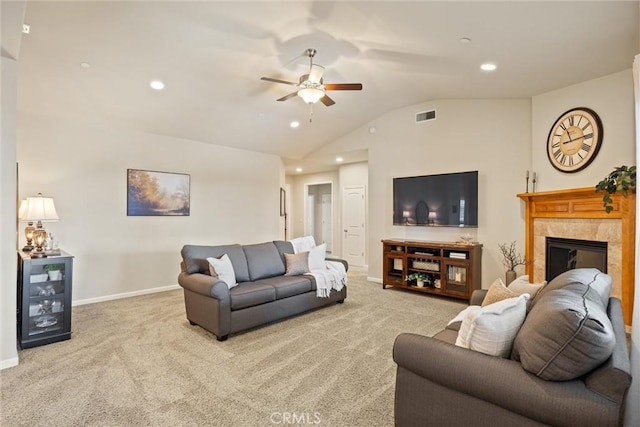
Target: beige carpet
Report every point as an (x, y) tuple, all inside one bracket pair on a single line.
[(138, 362)]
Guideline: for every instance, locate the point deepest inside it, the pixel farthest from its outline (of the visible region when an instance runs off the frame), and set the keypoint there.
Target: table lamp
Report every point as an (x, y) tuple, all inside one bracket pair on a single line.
[(40, 209), (29, 229)]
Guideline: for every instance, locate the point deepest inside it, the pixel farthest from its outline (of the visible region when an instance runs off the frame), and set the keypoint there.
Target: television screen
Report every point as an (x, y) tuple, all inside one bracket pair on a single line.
[(445, 200)]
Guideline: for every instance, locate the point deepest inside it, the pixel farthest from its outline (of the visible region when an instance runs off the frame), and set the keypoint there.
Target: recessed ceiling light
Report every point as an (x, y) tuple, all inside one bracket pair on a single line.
[(26, 28), (156, 84), (298, 169), (372, 129), (85, 65), (339, 159), (488, 67), (465, 40), (294, 124)]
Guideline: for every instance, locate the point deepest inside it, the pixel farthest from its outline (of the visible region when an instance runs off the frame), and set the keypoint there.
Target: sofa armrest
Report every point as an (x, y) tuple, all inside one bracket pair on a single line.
[(477, 297), (499, 382), (204, 285), (343, 261)]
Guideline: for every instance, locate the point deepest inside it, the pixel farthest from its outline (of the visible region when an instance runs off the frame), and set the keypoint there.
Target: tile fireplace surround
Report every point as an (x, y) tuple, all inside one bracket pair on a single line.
[(578, 214)]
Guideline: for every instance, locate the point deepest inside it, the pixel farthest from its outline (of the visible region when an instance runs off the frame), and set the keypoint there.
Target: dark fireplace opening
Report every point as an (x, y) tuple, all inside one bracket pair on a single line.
[(567, 254)]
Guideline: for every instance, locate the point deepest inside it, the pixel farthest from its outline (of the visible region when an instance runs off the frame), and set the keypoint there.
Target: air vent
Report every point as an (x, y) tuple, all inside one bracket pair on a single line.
[(425, 115)]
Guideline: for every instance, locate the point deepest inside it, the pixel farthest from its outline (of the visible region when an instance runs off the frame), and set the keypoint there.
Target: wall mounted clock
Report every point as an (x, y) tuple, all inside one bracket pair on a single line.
[(574, 140)]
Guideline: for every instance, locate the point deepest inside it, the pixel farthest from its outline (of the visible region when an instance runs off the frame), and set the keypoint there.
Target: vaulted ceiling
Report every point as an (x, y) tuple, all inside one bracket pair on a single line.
[(211, 55)]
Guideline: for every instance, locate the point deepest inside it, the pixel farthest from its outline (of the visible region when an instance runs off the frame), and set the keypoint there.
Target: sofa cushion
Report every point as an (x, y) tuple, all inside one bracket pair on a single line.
[(283, 247), (492, 329), (288, 286), (223, 270), (567, 332), (297, 264), (195, 259), (497, 292), (248, 294), (521, 285), (263, 260)]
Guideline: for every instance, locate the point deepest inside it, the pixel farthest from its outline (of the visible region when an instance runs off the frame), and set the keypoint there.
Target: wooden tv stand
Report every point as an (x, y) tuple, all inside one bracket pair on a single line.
[(455, 269)]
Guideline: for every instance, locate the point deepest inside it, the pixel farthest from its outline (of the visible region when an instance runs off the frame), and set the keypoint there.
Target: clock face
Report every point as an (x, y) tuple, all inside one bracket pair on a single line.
[(574, 140)]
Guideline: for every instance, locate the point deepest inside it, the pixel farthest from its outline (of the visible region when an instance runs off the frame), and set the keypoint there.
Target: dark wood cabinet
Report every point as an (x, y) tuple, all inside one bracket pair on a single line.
[(44, 299), (450, 269)]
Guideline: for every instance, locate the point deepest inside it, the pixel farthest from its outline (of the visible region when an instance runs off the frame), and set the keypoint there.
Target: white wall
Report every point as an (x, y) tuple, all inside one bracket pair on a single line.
[(234, 199), (491, 136), (612, 98), (499, 138), (8, 257)]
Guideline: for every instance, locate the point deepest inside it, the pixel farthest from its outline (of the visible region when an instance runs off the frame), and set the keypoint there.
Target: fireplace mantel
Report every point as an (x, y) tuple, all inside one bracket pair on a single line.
[(574, 209)]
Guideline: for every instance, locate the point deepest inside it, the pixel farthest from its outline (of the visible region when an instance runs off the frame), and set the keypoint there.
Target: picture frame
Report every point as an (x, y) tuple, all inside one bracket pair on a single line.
[(283, 202), (154, 193)]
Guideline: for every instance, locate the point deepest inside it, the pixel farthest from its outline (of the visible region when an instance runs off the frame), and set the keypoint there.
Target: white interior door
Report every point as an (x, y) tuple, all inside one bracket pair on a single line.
[(326, 221), (309, 228), (353, 222)]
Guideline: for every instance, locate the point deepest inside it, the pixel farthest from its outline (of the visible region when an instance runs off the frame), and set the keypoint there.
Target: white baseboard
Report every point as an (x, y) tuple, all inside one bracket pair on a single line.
[(124, 295), (8, 363), (374, 279)]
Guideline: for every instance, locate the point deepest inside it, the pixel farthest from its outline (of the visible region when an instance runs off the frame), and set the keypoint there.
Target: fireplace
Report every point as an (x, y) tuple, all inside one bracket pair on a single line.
[(567, 254), (577, 213)]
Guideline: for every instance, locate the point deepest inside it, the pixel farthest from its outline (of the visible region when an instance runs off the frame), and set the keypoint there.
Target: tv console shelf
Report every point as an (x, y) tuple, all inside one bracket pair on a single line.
[(452, 269)]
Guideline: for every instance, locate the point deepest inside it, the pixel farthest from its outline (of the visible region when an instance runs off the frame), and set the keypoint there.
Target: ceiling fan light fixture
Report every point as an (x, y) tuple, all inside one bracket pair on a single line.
[(310, 95)]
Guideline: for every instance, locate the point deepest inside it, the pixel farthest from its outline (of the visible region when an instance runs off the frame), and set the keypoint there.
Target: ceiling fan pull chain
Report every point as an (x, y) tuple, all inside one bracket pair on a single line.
[(310, 113)]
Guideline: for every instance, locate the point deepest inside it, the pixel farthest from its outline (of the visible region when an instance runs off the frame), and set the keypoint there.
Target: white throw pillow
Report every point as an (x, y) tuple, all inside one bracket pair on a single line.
[(303, 244), (317, 257), (223, 269), (491, 329)]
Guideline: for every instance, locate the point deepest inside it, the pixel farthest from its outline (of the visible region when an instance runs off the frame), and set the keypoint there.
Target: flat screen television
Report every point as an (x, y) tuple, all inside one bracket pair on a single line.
[(444, 200)]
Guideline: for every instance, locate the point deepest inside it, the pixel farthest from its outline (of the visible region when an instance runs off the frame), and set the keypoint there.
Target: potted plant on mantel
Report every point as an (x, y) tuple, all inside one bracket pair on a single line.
[(623, 179), (512, 259)]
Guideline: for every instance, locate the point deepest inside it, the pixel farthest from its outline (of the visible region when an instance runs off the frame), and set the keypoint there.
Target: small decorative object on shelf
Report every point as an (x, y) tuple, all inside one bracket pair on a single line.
[(527, 179), (623, 179), (421, 279), (512, 259)]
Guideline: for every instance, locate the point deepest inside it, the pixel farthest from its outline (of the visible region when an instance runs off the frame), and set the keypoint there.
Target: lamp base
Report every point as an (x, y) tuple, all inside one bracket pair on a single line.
[(37, 254), (28, 248)]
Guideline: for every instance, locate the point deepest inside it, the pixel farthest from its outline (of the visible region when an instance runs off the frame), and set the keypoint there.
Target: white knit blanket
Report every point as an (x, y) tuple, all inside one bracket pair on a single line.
[(333, 277)]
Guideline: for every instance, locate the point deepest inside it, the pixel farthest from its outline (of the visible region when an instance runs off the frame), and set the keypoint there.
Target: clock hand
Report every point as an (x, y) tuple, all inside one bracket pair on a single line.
[(572, 140)]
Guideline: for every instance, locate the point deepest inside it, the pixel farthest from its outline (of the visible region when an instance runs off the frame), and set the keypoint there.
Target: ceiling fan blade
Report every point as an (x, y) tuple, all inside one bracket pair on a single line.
[(269, 79), (291, 95), (343, 86), (327, 101), (315, 74)]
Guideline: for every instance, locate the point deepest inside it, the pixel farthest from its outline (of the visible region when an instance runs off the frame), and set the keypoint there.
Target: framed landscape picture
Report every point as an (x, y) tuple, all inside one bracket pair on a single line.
[(151, 193)]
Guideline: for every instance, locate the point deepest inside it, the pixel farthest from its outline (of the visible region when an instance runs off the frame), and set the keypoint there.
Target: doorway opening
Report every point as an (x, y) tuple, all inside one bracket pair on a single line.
[(319, 213)]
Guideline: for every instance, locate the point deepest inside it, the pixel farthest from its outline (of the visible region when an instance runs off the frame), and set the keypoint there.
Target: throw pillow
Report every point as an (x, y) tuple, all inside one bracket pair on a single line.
[(297, 263), (492, 329), (567, 333), (223, 270), (497, 292), (303, 244), (522, 286), (316, 258)]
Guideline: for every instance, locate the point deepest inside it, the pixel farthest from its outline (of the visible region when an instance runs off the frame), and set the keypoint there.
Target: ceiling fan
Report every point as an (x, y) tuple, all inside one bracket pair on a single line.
[(311, 87)]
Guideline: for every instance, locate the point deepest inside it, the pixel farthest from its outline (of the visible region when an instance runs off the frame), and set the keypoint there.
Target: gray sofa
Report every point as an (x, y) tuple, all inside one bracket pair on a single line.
[(440, 384), (263, 294)]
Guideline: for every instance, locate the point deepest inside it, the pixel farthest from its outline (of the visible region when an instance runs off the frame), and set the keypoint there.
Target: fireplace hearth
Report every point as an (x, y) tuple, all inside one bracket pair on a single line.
[(566, 254)]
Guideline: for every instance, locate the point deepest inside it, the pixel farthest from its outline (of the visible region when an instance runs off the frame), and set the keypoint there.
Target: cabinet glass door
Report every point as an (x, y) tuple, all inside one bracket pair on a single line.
[(46, 288)]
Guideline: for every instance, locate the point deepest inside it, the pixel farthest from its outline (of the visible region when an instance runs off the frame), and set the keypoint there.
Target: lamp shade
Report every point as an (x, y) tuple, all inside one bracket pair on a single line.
[(39, 208), (310, 95)]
